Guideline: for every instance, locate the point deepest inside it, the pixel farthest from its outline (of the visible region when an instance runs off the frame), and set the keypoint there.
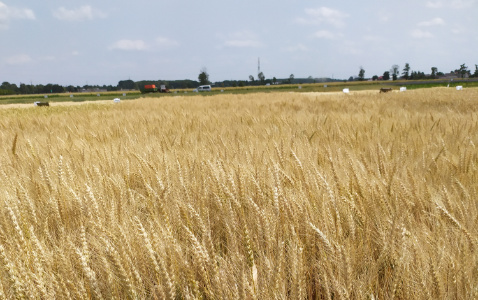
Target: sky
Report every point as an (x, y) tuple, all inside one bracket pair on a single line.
[(101, 42)]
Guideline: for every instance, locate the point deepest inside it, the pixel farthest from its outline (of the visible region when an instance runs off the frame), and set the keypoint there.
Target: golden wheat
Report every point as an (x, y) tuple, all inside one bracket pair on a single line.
[(260, 196)]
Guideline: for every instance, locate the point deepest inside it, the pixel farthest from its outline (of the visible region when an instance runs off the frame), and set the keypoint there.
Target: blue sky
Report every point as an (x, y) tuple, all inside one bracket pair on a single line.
[(103, 42)]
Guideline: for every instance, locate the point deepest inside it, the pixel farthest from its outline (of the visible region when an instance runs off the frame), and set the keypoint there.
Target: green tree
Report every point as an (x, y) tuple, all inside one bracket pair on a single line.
[(274, 80), (26, 88), (386, 75), (476, 71), (291, 78), (261, 77), (463, 70), (361, 75), (434, 72), (126, 85), (203, 77), (9, 86), (395, 71), (406, 71)]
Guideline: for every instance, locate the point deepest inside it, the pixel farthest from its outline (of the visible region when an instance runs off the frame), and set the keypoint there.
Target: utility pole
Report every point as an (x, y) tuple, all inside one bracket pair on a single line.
[(258, 65)]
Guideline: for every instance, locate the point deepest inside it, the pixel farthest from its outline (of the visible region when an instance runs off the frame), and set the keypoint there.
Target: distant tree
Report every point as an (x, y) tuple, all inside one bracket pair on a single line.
[(261, 77), (417, 75), (351, 78), (124, 85), (274, 80), (463, 70), (203, 77), (406, 71), (395, 71), (70, 89), (53, 88), (9, 86), (25, 88), (8, 89), (374, 77), (386, 75), (361, 75), (434, 72), (476, 71), (241, 83), (291, 78), (251, 78)]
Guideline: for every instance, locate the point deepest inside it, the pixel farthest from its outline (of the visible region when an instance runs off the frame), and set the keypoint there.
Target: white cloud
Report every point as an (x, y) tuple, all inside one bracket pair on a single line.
[(19, 59), (433, 22), (8, 13), (324, 34), (463, 3), (421, 34), (243, 39), (434, 4), (372, 38), (164, 42), (350, 48), (458, 4), (85, 12), (129, 45), (317, 16), (297, 48)]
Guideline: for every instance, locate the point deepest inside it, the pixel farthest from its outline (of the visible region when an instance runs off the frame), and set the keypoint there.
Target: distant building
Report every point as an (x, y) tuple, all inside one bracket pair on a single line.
[(451, 75)]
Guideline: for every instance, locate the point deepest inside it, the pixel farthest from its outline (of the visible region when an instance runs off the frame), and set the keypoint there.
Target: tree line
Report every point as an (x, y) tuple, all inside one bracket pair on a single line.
[(408, 74)]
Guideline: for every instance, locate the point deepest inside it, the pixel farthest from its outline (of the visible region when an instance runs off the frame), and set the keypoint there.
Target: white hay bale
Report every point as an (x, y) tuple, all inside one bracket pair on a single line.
[(346, 91), (116, 100), (403, 89), (459, 87)]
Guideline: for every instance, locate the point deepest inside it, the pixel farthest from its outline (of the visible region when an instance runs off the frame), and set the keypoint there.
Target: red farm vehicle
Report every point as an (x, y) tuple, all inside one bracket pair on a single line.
[(151, 88)]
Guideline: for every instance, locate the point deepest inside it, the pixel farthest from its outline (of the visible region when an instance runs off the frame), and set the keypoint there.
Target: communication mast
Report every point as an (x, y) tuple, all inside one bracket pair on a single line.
[(258, 65)]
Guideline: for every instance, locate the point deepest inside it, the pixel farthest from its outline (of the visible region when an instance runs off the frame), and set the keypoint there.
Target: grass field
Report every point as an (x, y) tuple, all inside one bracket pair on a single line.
[(325, 87), (256, 196)]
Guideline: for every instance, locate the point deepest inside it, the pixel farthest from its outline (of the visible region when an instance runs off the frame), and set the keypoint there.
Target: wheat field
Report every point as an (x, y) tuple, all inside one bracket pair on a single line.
[(258, 196)]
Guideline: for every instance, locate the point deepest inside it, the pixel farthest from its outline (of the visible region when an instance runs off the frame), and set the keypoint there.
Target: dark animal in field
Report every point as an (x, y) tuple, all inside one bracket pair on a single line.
[(41, 103), (383, 90)]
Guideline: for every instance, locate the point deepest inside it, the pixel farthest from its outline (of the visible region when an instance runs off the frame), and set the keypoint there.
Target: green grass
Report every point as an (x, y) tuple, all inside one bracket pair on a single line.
[(300, 88)]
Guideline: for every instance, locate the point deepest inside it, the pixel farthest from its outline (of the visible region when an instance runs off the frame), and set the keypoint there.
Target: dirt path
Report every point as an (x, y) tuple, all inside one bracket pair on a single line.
[(29, 105)]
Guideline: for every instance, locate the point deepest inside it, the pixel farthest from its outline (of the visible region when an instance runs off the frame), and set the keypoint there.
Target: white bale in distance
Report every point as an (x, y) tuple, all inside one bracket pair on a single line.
[(403, 89), (300, 87), (46, 96), (459, 87), (124, 94), (71, 96), (116, 100), (346, 91)]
